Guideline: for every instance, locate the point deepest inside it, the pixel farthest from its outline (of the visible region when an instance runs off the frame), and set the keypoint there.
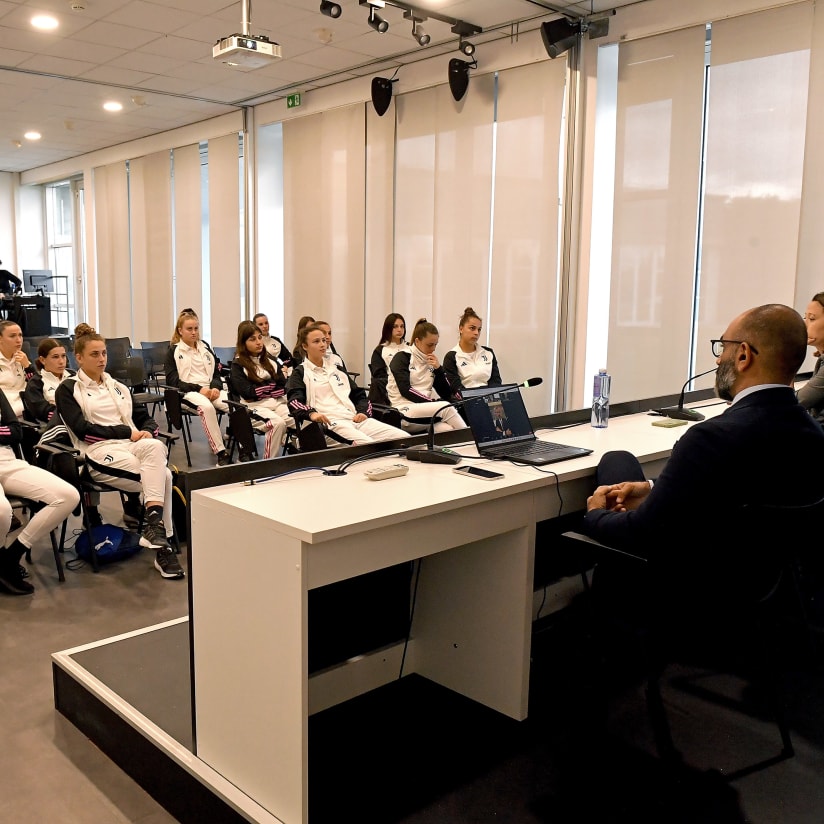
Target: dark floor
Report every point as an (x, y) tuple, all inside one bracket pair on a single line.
[(413, 753)]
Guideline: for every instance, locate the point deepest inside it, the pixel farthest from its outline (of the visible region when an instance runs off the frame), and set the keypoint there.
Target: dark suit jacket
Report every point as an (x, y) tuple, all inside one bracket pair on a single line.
[(764, 449)]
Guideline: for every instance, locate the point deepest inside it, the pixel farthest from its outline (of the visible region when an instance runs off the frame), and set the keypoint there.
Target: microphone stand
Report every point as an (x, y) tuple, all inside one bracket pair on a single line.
[(678, 413), (431, 453)]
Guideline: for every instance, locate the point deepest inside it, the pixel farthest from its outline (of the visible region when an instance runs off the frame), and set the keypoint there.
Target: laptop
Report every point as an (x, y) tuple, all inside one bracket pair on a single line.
[(502, 430)]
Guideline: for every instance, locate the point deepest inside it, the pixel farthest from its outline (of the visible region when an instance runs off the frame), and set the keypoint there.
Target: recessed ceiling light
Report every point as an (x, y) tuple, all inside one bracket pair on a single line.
[(44, 21), (112, 106), (32, 135)]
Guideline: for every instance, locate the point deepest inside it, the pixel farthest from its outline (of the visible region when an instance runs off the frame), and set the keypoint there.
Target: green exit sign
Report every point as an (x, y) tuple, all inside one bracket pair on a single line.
[(292, 101)]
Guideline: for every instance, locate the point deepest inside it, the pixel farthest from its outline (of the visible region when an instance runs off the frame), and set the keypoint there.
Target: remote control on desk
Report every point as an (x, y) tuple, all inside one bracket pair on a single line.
[(381, 473)]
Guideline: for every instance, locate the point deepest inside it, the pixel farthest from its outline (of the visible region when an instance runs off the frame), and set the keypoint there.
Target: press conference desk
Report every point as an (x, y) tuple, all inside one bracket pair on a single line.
[(471, 629)]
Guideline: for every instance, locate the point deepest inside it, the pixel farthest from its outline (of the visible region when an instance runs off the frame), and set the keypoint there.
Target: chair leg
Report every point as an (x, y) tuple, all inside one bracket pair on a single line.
[(56, 550), (658, 718), (87, 524)]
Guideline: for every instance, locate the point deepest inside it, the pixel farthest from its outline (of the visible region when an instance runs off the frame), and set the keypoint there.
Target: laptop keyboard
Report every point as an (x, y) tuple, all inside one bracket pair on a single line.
[(529, 448)]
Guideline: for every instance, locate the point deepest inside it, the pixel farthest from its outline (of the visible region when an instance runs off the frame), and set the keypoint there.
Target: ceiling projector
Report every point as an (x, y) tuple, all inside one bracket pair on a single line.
[(247, 51)]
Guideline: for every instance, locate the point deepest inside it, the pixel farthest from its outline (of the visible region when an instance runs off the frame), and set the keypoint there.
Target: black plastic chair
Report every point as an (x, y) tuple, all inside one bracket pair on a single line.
[(755, 611), (154, 360), (177, 416), (137, 380)]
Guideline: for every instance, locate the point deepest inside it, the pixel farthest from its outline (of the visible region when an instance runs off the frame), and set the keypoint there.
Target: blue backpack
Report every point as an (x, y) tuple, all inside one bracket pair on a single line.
[(111, 543)]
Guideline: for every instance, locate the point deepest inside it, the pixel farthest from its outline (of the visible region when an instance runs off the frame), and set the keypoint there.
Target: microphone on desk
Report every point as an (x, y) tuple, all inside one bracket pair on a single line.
[(678, 412), (437, 455)]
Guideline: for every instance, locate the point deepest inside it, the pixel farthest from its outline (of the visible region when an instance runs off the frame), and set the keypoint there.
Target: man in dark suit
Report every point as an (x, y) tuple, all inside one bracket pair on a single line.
[(764, 448), (500, 422), (9, 283)]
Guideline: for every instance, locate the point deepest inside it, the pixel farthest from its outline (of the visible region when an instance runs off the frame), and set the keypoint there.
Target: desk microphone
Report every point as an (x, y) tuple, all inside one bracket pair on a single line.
[(678, 412), (432, 454)]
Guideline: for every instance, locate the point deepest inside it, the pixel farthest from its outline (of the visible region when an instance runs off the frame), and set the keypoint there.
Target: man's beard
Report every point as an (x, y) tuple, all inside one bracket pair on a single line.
[(724, 380)]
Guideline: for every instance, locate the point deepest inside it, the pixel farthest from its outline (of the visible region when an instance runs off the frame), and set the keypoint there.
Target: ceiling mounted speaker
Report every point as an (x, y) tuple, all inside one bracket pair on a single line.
[(381, 94), (459, 77), (559, 36)]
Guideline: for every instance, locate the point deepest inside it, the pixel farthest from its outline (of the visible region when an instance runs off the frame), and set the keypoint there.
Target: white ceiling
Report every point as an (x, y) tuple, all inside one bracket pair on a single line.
[(155, 57)]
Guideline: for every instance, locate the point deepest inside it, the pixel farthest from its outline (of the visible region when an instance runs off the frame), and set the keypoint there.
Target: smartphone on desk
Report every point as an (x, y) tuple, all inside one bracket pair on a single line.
[(478, 472)]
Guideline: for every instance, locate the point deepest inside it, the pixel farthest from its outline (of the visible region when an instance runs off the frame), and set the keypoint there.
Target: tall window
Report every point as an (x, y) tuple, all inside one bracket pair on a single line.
[(707, 130), (60, 224)]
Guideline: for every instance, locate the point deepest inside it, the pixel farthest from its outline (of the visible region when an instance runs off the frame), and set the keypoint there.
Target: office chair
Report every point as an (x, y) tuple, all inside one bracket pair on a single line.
[(753, 602), (137, 380), (225, 354), (154, 359)]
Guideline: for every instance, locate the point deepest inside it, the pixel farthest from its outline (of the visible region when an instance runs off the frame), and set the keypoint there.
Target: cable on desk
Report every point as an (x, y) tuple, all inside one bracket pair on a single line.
[(341, 470), (256, 481)]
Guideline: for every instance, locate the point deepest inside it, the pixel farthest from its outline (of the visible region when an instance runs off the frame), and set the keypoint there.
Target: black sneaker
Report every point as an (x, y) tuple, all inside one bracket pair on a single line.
[(166, 564), (154, 533), (223, 458), (24, 573), (11, 581)]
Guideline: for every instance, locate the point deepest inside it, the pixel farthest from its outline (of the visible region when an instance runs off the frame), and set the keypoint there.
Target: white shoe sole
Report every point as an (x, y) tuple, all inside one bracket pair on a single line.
[(159, 568), (145, 542)]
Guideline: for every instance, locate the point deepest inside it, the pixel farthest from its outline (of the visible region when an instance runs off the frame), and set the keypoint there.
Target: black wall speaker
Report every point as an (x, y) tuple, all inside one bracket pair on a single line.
[(381, 94), (559, 36), (458, 77)]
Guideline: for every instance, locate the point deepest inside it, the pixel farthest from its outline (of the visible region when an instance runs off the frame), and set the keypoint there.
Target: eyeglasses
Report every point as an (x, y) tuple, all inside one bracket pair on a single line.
[(718, 346)]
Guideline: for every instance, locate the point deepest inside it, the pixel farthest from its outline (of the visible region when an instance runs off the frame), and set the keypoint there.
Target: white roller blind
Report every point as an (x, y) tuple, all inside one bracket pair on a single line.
[(755, 151), (107, 308), (443, 196), (225, 216), (523, 291), (188, 233), (657, 169), (151, 231), (379, 294), (324, 192)]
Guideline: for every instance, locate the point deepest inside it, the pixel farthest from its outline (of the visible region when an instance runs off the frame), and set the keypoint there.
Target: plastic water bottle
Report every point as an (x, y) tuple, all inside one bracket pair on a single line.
[(600, 399)]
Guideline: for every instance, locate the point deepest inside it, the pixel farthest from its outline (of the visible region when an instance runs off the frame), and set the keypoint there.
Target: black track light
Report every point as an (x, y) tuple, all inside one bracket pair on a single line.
[(377, 22), (467, 48), (330, 9), (419, 34), (459, 76)]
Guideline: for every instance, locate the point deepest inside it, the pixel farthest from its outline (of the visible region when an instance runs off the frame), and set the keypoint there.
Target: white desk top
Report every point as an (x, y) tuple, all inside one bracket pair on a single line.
[(316, 508)]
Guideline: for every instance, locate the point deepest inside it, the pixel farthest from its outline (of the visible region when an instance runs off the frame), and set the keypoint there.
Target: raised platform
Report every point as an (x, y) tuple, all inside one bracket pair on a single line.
[(377, 757), (130, 695)]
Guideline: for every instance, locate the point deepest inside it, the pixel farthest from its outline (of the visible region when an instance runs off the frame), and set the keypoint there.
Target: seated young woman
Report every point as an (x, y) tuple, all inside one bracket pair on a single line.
[(261, 384), (297, 352), (320, 391), (38, 400), (418, 387), (119, 442), (38, 397), (468, 365), (275, 347), (193, 368), (392, 341), (19, 477)]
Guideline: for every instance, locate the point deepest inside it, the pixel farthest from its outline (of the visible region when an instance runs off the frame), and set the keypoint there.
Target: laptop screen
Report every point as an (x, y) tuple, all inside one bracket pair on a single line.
[(499, 417)]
